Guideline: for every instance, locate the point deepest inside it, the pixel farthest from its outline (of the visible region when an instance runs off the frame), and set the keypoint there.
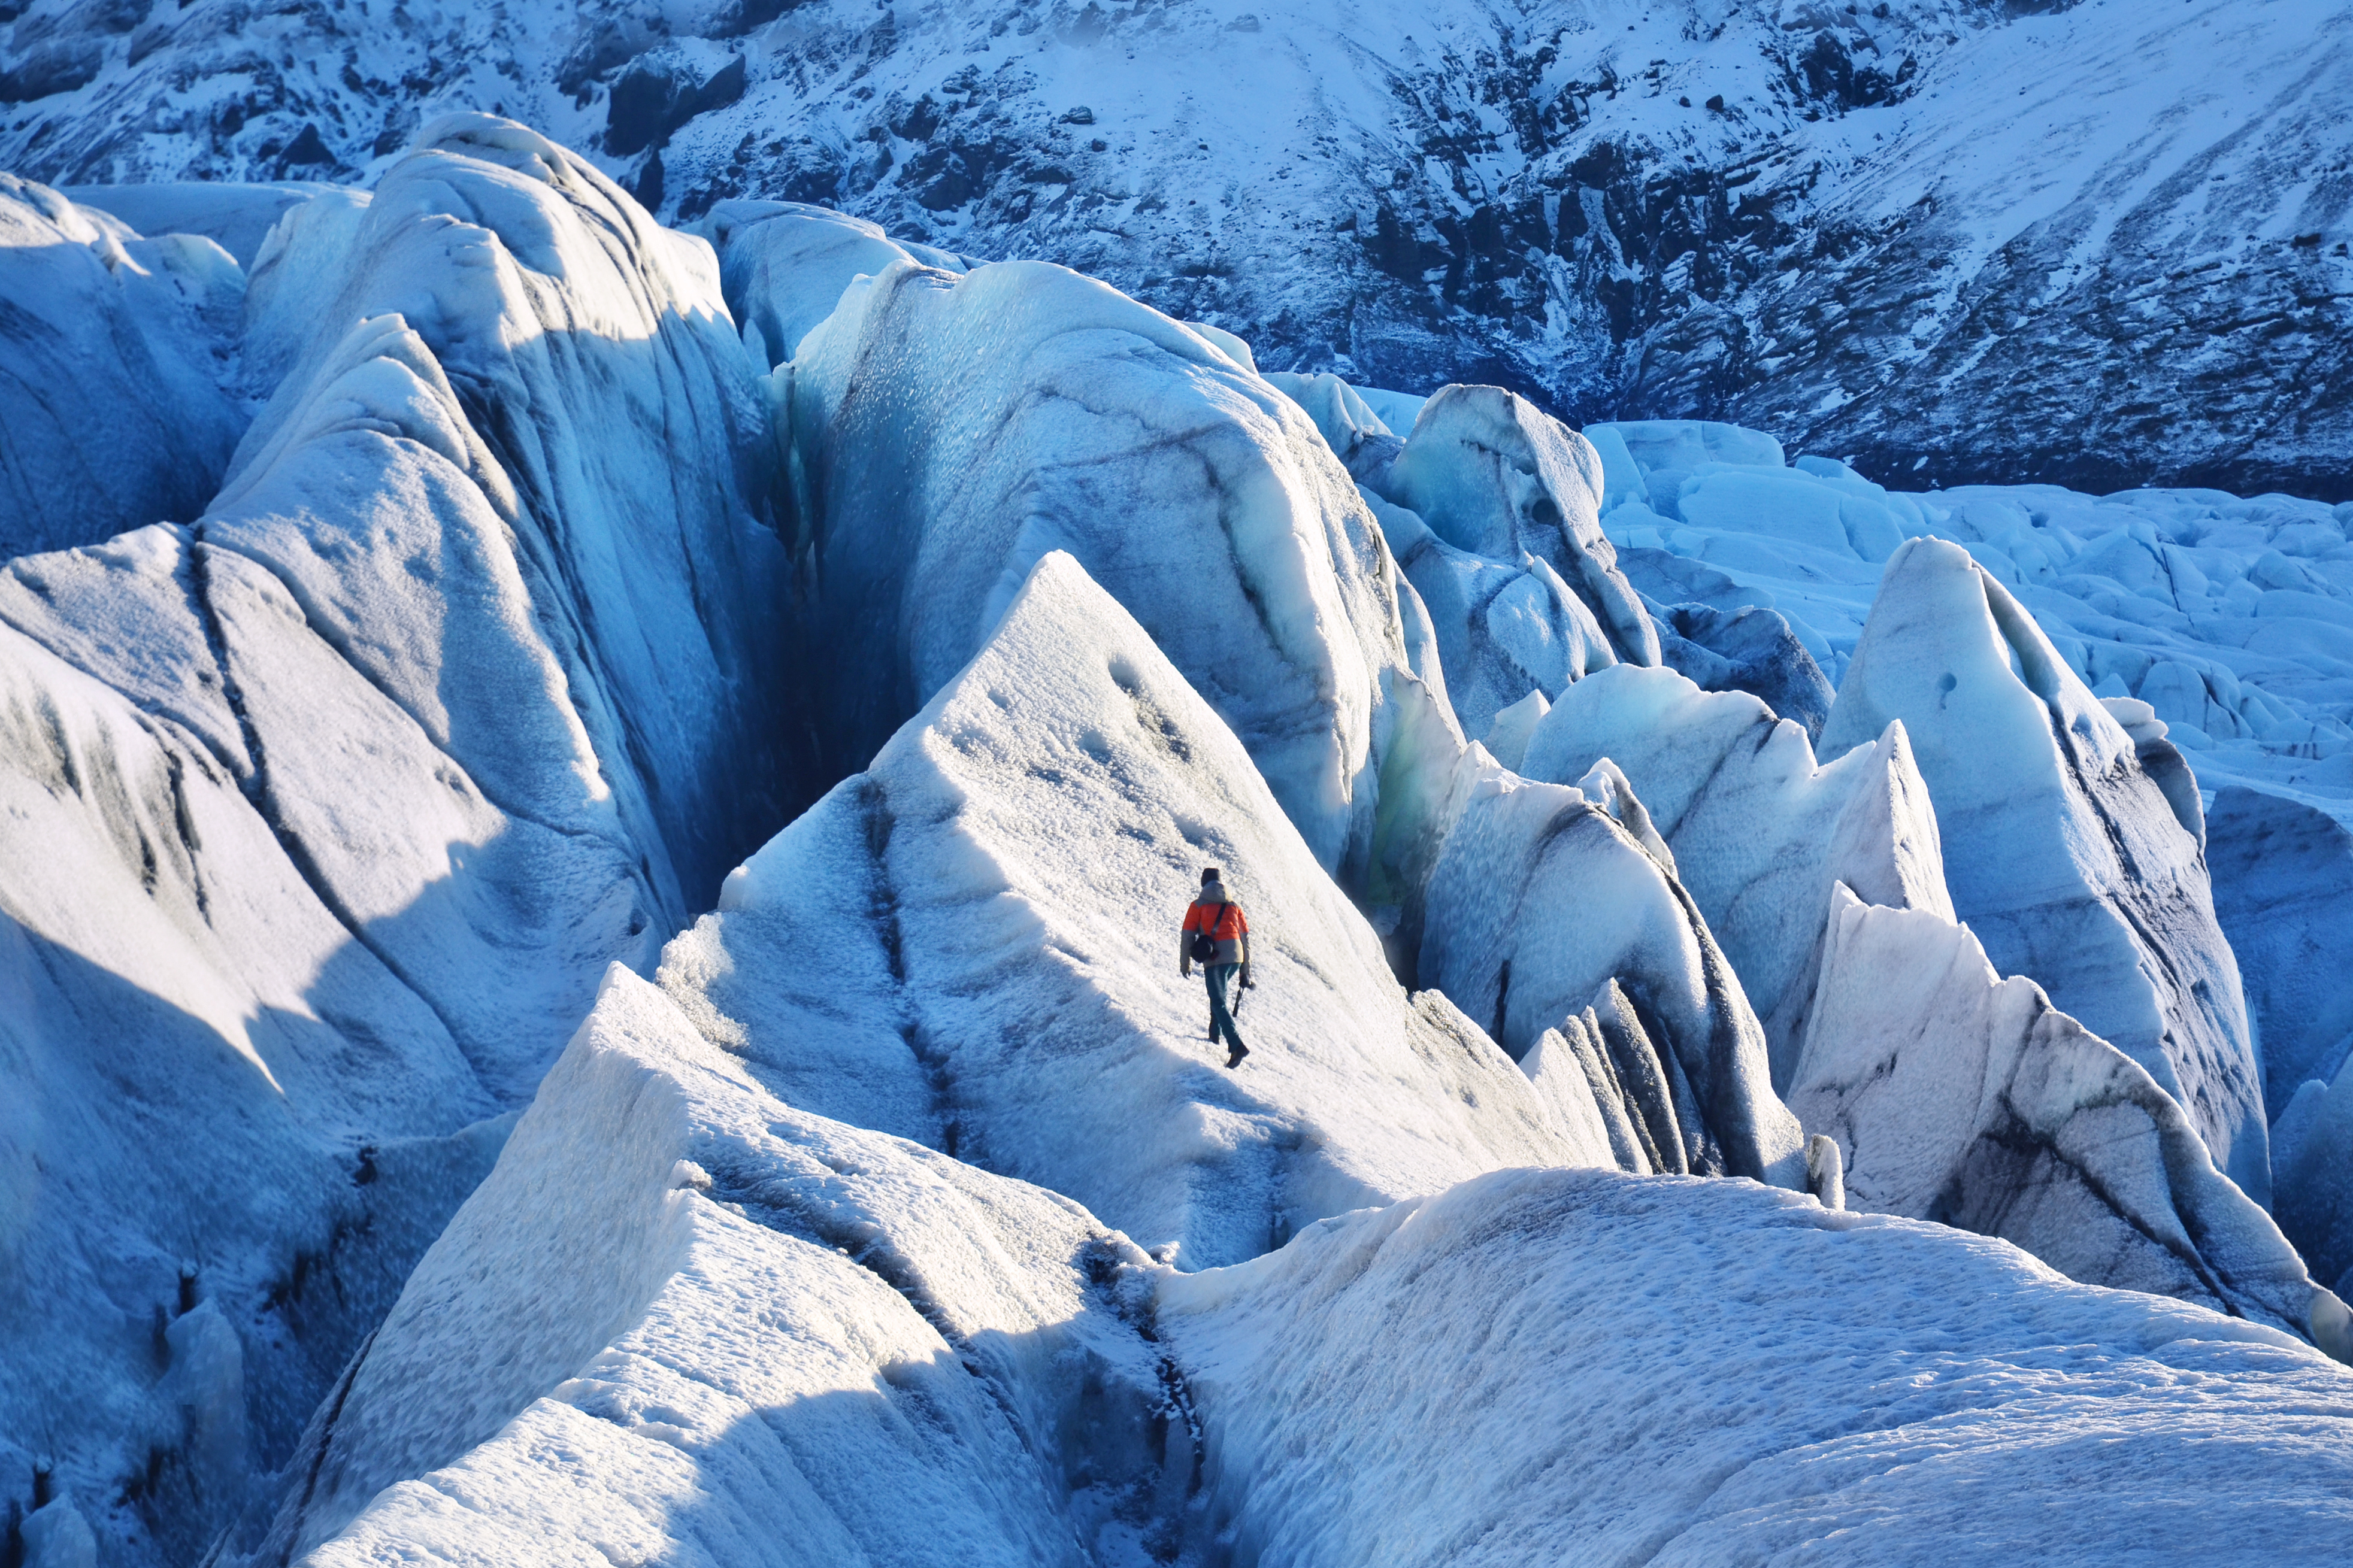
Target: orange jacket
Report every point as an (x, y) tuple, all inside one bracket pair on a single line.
[(1223, 922)]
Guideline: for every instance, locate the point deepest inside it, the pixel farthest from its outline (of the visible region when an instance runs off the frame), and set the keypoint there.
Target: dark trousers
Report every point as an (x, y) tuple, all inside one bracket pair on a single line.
[(1221, 1022)]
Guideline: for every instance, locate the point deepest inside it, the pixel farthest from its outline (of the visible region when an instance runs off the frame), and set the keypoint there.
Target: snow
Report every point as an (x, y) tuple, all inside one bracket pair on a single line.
[(1962, 1097), (114, 353), (1580, 1365), (948, 431), (974, 942)]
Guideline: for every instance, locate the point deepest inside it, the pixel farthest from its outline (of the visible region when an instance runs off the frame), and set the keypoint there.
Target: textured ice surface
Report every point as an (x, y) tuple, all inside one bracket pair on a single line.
[(1543, 901), (1547, 1366), (974, 942), (114, 351), (685, 1322), (1960, 1096), (328, 810), (2284, 891), (1760, 835), (2062, 851), (949, 431)]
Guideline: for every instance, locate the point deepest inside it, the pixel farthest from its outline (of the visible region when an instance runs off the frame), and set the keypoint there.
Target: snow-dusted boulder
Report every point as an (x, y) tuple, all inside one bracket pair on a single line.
[(1542, 901), (1760, 834), (2283, 892), (2062, 853), (785, 264), (974, 943), (1491, 474), (1960, 1096), (1578, 1366), (113, 350), (684, 1320), (949, 431)]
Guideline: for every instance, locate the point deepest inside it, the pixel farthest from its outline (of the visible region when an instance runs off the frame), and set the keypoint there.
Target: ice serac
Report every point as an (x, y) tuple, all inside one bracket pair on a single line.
[(684, 1320), (1760, 835), (2313, 1176), (949, 431), (2062, 853), (1957, 1096), (784, 265), (974, 942), (1542, 902), (1864, 1385), (1492, 473), (2282, 877), (113, 351), (336, 802)]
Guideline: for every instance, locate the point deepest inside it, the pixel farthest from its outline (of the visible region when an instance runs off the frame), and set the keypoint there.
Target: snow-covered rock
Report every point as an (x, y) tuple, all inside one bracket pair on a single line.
[(2283, 876), (974, 943), (947, 431), (1960, 1096), (2062, 854), (1760, 835), (1584, 1366), (114, 351), (1543, 901)]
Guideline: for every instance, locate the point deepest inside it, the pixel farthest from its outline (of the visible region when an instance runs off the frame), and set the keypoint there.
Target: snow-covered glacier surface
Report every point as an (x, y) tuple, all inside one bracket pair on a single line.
[(591, 967)]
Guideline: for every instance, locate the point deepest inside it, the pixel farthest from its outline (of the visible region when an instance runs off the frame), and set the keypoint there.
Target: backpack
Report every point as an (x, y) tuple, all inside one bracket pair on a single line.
[(1204, 946)]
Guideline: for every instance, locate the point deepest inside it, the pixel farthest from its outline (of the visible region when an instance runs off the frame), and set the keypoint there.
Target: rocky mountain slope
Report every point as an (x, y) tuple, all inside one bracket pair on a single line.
[(2097, 245)]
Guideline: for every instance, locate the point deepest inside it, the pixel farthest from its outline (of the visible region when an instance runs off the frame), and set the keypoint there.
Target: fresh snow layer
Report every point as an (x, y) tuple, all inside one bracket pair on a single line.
[(1549, 1366), (974, 943), (114, 355), (1960, 1096), (2064, 851)]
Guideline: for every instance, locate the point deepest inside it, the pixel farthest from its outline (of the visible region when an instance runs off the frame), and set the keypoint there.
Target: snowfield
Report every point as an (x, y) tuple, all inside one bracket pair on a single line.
[(591, 866)]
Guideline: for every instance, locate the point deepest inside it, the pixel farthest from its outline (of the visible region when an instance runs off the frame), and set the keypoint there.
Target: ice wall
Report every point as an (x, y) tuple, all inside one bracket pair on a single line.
[(2063, 852)]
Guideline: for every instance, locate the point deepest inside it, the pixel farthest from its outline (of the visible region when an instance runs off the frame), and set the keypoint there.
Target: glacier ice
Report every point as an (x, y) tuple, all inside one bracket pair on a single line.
[(2062, 855), (1541, 903), (1960, 1096), (2282, 874), (1585, 1366), (948, 431), (782, 265), (115, 352), (1760, 835), (972, 943)]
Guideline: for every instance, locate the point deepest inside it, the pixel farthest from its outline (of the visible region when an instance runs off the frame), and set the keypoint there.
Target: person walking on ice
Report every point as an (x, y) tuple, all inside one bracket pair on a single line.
[(1216, 935)]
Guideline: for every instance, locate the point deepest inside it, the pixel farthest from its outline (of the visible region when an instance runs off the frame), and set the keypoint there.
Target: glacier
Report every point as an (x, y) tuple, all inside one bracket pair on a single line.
[(588, 963)]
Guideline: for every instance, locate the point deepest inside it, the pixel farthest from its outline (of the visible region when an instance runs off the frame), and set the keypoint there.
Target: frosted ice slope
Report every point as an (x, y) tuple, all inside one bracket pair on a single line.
[(115, 352), (974, 943), (2062, 852), (683, 1321), (1543, 1367), (330, 807), (1960, 1096), (948, 431), (2284, 891)]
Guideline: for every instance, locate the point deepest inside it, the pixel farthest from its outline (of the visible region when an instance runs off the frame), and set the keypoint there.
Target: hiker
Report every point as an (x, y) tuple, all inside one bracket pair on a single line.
[(1216, 936)]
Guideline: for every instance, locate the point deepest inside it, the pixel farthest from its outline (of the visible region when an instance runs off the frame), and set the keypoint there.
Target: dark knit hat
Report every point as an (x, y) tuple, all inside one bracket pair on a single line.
[(1209, 875)]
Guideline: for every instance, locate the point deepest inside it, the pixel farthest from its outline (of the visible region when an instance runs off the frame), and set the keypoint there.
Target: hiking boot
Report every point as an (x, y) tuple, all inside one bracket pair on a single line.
[(1236, 1060)]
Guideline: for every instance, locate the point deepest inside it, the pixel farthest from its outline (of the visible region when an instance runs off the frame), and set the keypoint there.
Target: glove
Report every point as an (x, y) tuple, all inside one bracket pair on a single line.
[(1246, 986), (1184, 968)]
